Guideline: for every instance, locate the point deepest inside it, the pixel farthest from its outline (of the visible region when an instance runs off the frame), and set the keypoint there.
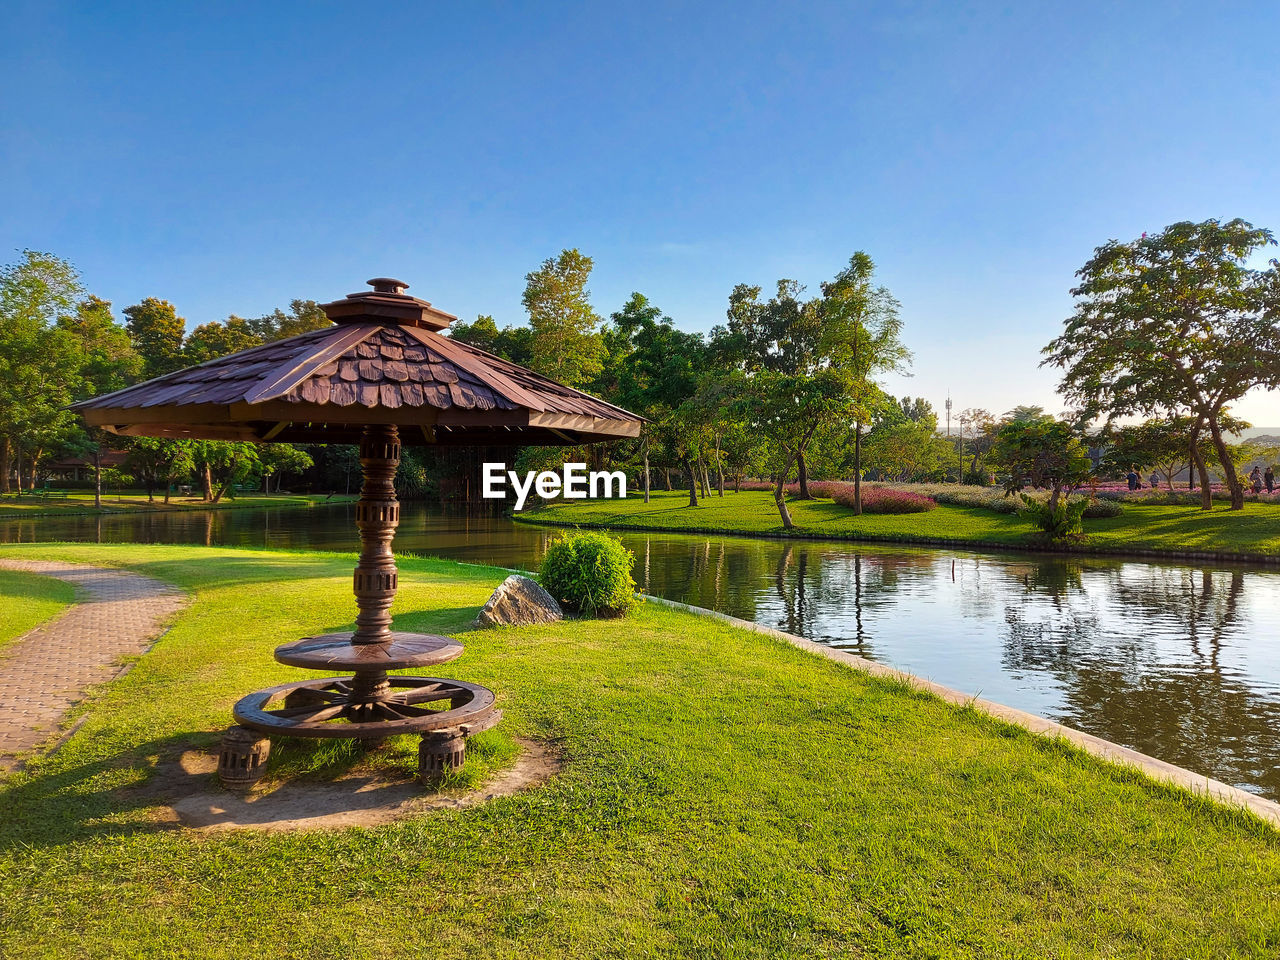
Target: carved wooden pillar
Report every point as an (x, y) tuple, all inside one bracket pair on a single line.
[(377, 516)]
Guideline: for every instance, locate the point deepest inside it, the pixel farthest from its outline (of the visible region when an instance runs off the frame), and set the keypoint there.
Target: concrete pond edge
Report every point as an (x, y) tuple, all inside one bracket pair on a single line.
[(1268, 810), (1158, 770)]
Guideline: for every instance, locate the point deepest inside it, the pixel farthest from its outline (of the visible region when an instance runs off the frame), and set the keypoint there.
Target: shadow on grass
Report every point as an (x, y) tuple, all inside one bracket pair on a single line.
[(98, 798), (20, 585), (118, 796), (1219, 529)]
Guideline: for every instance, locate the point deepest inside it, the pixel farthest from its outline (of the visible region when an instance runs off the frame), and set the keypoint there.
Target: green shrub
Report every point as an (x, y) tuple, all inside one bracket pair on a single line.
[(994, 498), (1059, 522), (986, 498), (589, 573), (1102, 508)]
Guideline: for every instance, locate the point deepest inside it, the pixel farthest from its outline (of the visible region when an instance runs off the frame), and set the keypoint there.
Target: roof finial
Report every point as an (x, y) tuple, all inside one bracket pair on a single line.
[(387, 285)]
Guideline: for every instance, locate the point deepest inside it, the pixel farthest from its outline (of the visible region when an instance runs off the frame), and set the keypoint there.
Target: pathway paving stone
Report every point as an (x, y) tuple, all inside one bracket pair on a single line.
[(46, 671)]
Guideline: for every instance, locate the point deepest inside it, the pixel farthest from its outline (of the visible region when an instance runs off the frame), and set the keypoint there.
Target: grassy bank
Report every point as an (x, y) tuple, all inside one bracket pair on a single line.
[(1254, 531), (723, 795), (81, 502), (28, 600)]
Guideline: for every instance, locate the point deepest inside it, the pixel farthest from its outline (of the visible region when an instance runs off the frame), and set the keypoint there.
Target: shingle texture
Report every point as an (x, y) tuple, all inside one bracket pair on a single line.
[(362, 365)]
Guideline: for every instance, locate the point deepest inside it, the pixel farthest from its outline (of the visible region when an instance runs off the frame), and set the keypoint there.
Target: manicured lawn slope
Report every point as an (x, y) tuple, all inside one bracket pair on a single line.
[(82, 502), (723, 795), (27, 600), (1255, 530)]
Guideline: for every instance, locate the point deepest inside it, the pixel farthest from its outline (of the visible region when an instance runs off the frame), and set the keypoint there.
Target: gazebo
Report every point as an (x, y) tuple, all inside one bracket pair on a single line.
[(383, 375)]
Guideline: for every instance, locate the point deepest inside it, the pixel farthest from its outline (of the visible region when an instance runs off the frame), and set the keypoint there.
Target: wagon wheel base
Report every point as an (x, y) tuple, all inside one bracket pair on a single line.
[(331, 707)]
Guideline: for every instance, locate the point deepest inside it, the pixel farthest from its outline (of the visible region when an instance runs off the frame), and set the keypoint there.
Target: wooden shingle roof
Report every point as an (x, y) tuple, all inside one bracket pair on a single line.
[(372, 366)]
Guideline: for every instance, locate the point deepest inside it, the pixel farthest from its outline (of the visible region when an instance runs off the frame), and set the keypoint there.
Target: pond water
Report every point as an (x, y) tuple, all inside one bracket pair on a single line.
[(1178, 661)]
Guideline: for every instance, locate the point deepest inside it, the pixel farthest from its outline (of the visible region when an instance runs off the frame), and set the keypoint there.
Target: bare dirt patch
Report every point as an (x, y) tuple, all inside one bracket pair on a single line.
[(352, 801)]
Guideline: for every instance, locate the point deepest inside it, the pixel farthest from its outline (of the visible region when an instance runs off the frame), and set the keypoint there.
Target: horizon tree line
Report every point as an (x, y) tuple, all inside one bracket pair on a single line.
[(1173, 327)]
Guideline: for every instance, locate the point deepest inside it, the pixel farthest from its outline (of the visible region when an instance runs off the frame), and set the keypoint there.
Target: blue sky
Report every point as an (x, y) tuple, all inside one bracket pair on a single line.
[(229, 157)]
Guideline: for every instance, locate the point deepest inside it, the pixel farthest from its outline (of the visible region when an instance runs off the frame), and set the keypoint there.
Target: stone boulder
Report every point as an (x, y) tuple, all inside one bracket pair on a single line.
[(517, 602)]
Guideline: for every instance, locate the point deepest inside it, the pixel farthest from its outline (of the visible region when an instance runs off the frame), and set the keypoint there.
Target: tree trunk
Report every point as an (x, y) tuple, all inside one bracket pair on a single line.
[(857, 469), (97, 478), (1233, 481), (206, 478), (779, 499), (231, 477), (666, 475), (1228, 466), (1198, 467), (4, 464), (706, 480), (802, 469), (30, 467), (719, 466), (693, 482), (646, 472)]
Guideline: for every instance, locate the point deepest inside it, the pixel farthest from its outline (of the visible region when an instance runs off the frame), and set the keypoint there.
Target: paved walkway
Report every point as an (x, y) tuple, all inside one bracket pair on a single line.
[(46, 672)]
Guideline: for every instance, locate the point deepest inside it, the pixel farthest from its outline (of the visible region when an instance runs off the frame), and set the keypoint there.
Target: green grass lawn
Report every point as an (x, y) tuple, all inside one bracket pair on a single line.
[(82, 502), (1252, 531), (723, 795), (28, 600)]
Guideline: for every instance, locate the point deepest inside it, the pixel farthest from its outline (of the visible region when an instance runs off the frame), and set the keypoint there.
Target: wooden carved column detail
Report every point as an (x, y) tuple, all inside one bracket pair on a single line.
[(377, 516)]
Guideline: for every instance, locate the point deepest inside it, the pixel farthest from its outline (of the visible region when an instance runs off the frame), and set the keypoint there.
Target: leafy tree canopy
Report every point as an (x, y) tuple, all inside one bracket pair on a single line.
[(157, 333), (1175, 322), (566, 345)]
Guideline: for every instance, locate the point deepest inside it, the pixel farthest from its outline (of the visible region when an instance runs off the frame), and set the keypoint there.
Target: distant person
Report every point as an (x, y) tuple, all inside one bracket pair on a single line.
[(1269, 478), (1134, 480), (1256, 479)]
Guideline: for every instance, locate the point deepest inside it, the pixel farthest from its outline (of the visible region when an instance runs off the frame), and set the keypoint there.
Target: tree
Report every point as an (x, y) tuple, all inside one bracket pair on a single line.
[(1175, 322), (221, 464), (277, 459), (862, 336), (1159, 443), (1025, 413), (1042, 454), (303, 317), (509, 343), (780, 335), (39, 370), (655, 371), (1045, 453), (977, 436), (788, 409), (212, 340), (106, 361), (920, 411), (160, 463), (848, 335), (482, 334), (566, 346), (157, 333), (907, 451)]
